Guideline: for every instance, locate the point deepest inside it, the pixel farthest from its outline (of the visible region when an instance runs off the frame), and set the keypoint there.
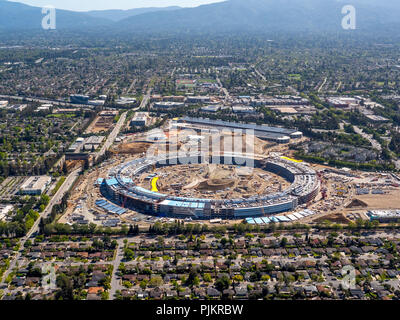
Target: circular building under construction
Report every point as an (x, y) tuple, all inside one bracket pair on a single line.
[(123, 188)]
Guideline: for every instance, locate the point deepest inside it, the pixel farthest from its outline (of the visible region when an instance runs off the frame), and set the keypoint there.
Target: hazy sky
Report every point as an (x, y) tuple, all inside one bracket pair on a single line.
[(85, 5)]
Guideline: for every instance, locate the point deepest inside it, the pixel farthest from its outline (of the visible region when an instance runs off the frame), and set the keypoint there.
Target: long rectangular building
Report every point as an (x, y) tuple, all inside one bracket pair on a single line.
[(277, 134)]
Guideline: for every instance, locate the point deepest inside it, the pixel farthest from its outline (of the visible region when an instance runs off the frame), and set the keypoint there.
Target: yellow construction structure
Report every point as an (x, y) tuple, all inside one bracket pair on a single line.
[(154, 184), (293, 160)]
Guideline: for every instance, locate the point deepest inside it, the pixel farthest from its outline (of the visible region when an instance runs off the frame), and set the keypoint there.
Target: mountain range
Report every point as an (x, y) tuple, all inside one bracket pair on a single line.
[(318, 16), (118, 15)]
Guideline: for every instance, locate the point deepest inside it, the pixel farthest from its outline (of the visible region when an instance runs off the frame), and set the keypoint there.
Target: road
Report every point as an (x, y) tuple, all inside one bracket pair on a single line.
[(226, 92), (131, 86), (339, 85), (56, 199), (115, 280), (145, 100), (173, 72), (113, 135), (322, 85), (259, 74), (375, 144)]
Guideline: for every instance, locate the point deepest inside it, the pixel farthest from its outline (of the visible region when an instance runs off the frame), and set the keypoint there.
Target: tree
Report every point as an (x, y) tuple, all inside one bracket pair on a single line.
[(155, 281), (66, 288), (207, 277), (106, 283), (129, 254), (44, 200), (143, 284), (65, 168), (238, 278), (394, 144), (223, 283), (193, 279), (122, 268), (92, 228), (131, 230)]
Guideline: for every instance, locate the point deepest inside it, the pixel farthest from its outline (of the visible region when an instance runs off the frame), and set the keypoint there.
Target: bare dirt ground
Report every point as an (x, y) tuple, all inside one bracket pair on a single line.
[(100, 124), (335, 218), (73, 164), (132, 148), (382, 201), (214, 181), (91, 126)]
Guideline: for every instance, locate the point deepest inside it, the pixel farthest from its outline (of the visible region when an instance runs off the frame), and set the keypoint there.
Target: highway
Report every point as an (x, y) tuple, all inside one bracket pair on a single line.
[(47, 101), (56, 199)]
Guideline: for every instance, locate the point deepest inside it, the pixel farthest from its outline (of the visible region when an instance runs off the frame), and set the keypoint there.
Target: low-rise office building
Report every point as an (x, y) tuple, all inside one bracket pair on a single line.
[(140, 119), (35, 185)]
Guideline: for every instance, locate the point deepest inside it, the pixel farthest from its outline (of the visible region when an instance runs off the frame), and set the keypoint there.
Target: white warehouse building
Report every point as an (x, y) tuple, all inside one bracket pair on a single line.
[(35, 185)]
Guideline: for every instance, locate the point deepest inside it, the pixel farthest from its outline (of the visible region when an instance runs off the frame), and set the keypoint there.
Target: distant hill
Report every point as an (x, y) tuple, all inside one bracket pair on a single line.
[(118, 15), (18, 16), (267, 16)]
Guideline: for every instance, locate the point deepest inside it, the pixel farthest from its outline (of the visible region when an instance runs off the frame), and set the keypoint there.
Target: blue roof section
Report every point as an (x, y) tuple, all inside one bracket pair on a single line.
[(283, 218), (112, 182), (250, 221), (110, 207), (261, 221), (266, 220)]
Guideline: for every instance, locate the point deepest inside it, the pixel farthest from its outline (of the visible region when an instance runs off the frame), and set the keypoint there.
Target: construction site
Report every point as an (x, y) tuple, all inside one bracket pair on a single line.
[(103, 123), (348, 195), (121, 186), (214, 181), (200, 189)]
